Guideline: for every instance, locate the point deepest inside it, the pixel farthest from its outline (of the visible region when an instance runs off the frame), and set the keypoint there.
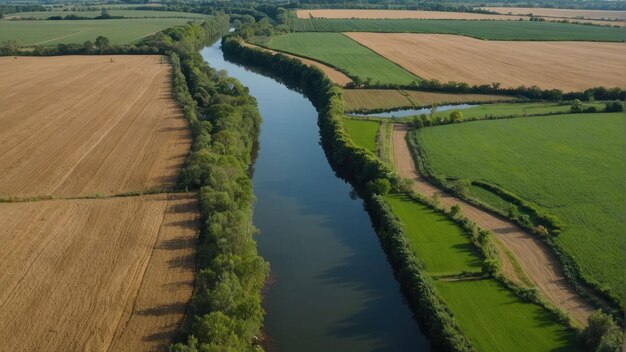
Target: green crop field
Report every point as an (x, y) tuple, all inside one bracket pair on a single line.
[(440, 244), (121, 31), (341, 52), (492, 30), (494, 319), (363, 132), (114, 12), (526, 109), (571, 165)]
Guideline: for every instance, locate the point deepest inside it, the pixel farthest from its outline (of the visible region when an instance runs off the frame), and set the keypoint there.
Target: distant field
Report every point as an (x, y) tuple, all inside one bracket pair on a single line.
[(81, 125), (95, 275), (363, 133), (369, 99), (518, 109), (402, 14), (54, 32), (564, 13), (125, 13), (439, 243), (569, 66), (343, 53), (570, 165), (491, 30), (494, 319)]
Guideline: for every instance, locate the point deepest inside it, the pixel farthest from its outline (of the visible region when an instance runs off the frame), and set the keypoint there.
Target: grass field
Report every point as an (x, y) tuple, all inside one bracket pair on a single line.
[(517, 109), (125, 13), (494, 319), (568, 66), (343, 53), (369, 99), (362, 132), (562, 13), (55, 32), (441, 245), (492, 30), (401, 14), (491, 316), (570, 165), (69, 122)]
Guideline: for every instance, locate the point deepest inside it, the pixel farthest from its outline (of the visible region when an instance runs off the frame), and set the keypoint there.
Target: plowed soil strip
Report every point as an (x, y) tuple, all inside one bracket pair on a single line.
[(569, 66), (94, 275), (334, 75), (532, 254), (80, 125)]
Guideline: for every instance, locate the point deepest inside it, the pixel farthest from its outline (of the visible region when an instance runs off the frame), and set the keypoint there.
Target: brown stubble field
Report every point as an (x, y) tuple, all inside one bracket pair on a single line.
[(89, 275), (108, 273), (569, 66), (81, 125)]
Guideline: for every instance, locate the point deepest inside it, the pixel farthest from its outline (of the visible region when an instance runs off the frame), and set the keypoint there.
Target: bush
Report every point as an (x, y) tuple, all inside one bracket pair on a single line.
[(602, 334), (379, 186), (614, 106), (576, 107)]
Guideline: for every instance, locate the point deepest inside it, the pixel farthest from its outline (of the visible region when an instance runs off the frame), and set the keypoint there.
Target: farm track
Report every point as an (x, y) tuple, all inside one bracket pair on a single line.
[(533, 255), (334, 75), (88, 265), (74, 138), (568, 66)]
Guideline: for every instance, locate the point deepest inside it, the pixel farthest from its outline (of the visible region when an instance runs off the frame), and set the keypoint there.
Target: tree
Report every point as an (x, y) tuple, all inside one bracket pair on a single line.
[(576, 107), (456, 116), (380, 186), (614, 106), (102, 43), (602, 334), (455, 210)]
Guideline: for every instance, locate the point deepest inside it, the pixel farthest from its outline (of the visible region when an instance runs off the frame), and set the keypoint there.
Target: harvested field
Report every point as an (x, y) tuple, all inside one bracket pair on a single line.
[(562, 13), (95, 275), (369, 99), (402, 14), (569, 66), (333, 75), (81, 125)]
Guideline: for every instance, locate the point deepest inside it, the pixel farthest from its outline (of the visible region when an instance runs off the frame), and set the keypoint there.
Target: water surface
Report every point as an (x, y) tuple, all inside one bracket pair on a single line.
[(333, 289), (413, 112)]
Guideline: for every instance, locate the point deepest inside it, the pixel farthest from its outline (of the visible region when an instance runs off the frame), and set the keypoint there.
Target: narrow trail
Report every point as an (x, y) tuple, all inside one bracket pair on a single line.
[(533, 255)]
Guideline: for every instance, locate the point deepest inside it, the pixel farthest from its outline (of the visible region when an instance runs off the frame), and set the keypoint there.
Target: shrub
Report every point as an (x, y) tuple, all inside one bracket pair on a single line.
[(576, 107), (602, 334), (379, 186), (614, 106)]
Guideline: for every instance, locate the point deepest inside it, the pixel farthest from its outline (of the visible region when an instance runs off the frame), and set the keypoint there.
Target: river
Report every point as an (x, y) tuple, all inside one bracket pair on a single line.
[(333, 289)]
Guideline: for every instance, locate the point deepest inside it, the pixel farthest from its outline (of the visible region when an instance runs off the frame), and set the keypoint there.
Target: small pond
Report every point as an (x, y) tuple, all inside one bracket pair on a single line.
[(412, 112)]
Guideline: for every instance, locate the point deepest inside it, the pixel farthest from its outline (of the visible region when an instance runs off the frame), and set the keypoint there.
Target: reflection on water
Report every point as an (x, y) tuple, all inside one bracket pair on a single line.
[(412, 112), (333, 289)]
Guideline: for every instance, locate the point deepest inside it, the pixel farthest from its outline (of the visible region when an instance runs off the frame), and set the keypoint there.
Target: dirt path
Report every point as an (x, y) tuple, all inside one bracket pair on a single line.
[(532, 254)]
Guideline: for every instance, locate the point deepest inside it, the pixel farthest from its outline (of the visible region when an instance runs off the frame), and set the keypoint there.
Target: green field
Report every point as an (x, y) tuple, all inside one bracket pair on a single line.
[(343, 53), (494, 319), (570, 165), (362, 132), (525, 109), (55, 32), (492, 30), (440, 244), (94, 13)]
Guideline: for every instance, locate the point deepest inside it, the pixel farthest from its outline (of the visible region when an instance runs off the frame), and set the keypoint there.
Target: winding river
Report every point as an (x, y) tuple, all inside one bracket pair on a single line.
[(332, 288)]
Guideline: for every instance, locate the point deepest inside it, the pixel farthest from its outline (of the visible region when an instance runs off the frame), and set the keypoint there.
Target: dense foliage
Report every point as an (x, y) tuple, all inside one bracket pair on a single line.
[(225, 312)]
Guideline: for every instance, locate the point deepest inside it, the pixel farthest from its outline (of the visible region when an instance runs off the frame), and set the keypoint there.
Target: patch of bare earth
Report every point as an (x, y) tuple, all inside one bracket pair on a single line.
[(79, 125), (562, 13), (334, 75), (569, 66), (533, 255), (403, 14), (96, 275)]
